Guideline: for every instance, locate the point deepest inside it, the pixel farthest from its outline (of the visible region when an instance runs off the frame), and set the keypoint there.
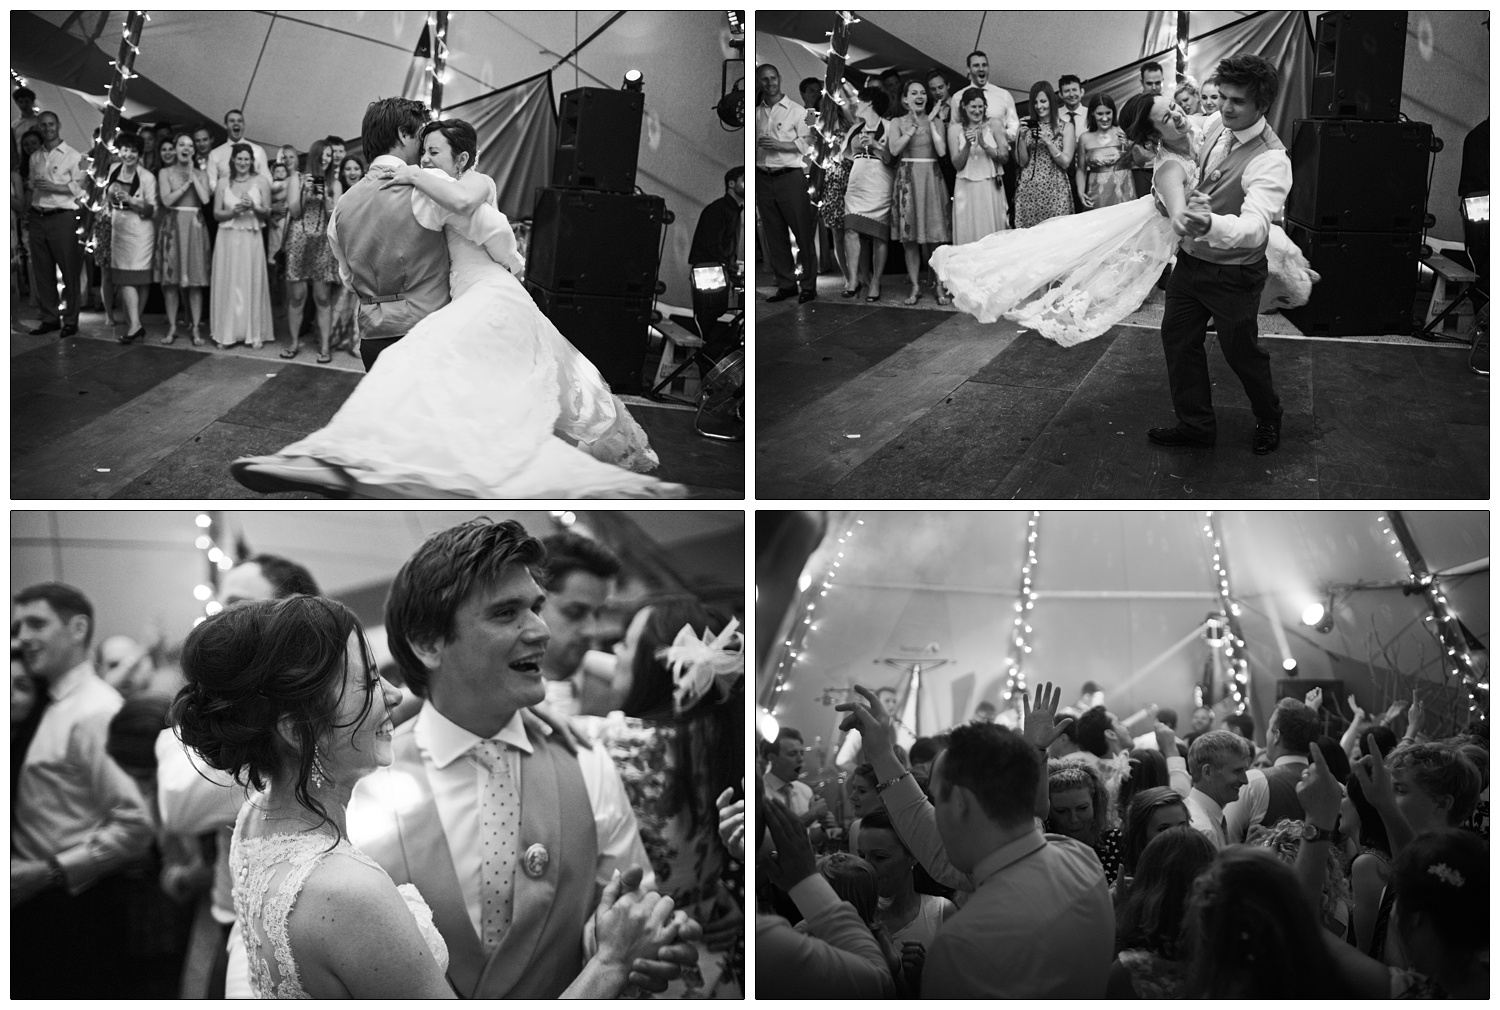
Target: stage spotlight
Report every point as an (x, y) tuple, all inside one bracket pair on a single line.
[(736, 22), (1290, 666), (731, 107), (1312, 614), (633, 81), (1319, 616), (768, 726)]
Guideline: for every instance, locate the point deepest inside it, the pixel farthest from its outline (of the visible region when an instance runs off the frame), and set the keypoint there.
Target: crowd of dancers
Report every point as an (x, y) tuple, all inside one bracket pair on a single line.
[(1054, 853)]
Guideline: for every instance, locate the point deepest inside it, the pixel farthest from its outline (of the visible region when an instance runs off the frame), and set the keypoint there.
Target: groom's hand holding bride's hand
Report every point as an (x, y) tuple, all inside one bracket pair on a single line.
[(1197, 218)]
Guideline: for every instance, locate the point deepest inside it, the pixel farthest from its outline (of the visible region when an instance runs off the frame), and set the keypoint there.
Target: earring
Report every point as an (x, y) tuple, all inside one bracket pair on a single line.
[(319, 774)]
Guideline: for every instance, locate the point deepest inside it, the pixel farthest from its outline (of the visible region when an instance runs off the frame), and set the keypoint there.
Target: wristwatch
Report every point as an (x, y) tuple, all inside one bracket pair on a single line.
[(1312, 833)]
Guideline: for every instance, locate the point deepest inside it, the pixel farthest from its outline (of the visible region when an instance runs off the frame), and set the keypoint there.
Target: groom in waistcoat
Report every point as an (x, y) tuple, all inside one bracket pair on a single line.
[(1245, 175), (508, 834), (393, 261)]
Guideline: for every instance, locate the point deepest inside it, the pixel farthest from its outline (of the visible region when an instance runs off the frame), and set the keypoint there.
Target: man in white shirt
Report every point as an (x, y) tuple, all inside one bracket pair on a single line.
[(781, 140), (463, 620), (1001, 109), (77, 818), (783, 780), (57, 184), (1070, 90), (1221, 263), (578, 577), (1209, 779), (218, 158)]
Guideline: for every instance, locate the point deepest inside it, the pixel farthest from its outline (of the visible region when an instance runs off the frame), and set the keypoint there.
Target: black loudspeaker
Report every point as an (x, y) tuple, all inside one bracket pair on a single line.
[(1358, 59), (594, 243), (1358, 175), (1368, 281), (598, 138), (611, 332)]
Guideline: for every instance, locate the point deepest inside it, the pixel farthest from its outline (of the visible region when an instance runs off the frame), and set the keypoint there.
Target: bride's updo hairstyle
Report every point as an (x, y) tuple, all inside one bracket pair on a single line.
[(264, 683), (461, 139), (711, 734)]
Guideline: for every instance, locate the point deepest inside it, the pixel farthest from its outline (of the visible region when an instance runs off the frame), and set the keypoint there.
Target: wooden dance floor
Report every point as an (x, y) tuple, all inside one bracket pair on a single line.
[(855, 401), (92, 419)]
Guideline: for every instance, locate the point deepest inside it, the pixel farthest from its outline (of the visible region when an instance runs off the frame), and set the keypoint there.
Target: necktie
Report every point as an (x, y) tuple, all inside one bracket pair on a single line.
[(499, 840), (786, 795), (1220, 153)]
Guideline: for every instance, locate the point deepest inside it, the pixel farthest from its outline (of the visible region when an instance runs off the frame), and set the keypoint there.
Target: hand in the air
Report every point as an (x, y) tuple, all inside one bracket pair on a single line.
[(1319, 792), (1415, 716), (1359, 714), (1314, 697), (790, 858), (870, 718), (1039, 725), (1375, 778)]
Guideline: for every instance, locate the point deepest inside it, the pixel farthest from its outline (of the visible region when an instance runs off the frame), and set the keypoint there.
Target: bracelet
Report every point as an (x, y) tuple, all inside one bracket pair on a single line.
[(881, 787)]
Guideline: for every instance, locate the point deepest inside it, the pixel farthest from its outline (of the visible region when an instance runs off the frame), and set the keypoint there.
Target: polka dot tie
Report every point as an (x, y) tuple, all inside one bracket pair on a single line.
[(499, 841)]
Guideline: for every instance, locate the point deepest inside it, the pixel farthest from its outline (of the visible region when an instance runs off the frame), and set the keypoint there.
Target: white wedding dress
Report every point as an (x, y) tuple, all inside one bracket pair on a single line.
[(1072, 277), (484, 398), (268, 875)]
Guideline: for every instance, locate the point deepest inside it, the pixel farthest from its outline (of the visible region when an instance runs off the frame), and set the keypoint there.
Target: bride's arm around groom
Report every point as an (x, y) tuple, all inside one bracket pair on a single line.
[(467, 203)]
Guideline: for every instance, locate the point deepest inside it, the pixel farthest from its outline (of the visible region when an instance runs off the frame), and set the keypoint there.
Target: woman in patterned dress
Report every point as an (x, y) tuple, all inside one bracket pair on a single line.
[(1043, 152), (309, 258), (920, 205), (1103, 158), (1079, 808), (835, 182), (678, 746)]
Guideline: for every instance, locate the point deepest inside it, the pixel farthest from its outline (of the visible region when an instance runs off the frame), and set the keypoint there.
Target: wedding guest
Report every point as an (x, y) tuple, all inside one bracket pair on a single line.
[(1149, 937), (1001, 109), (853, 880), (345, 304), (1148, 770), (1335, 899), (183, 259), (890, 82), (336, 145), (939, 102), (1076, 115), (863, 799), (1142, 155), (1271, 795), (351, 170), (240, 299), (1078, 807), (578, 577), (28, 700), (836, 956), (811, 93), (1103, 175), (276, 225), (76, 818), (57, 179), (680, 745), (1208, 97), (784, 757), (1042, 154), (920, 202), (25, 100), (310, 265), (303, 662), (462, 621), (1038, 922), (1218, 763), (867, 197), (781, 138), (1370, 868), (720, 234), (220, 158), (124, 664), (130, 194), (835, 186), (911, 919)]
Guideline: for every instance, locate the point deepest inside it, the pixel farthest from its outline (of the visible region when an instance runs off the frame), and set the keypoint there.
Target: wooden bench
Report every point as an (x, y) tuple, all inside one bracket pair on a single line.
[(1452, 288)]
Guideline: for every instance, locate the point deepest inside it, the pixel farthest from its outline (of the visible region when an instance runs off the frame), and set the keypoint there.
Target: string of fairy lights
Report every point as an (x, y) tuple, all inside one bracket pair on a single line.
[(1441, 621), (437, 63), (216, 559), (1015, 678), (1235, 656), (811, 591), (825, 126), (98, 160)]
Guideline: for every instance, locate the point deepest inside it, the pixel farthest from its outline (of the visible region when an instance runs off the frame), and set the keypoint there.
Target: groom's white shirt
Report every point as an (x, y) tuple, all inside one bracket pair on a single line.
[(485, 227), (1266, 181), (447, 753)]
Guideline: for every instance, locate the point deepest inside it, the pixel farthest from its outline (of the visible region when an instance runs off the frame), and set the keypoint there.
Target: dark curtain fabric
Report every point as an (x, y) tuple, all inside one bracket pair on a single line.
[(1283, 37), (517, 127)]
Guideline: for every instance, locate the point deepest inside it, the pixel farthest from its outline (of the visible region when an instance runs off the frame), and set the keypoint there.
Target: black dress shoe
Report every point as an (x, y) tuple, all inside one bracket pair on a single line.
[(782, 295), (45, 328), (1267, 437), (1177, 438), (72, 331), (806, 296)]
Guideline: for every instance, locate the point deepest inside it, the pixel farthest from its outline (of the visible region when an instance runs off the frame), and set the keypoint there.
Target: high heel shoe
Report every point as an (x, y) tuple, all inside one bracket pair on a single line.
[(131, 338)]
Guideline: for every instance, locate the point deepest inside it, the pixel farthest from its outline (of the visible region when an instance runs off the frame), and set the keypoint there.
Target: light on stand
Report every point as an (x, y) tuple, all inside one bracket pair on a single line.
[(633, 81), (1290, 666)]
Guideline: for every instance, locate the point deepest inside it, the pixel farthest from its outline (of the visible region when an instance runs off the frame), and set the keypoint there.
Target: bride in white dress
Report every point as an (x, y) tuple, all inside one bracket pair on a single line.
[(484, 398), (1070, 278), (284, 696)]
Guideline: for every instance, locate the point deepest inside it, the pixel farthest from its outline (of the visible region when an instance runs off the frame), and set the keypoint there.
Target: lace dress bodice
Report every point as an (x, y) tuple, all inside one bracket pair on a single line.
[(269, 873)]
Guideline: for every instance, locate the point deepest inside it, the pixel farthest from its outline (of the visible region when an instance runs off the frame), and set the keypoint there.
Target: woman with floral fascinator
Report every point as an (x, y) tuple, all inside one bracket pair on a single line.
[(679, 744)]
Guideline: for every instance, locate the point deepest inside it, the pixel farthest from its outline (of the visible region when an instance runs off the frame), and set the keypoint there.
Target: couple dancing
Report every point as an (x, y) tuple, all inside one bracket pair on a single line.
[(475, 397), (497, 856), (1216, 196)]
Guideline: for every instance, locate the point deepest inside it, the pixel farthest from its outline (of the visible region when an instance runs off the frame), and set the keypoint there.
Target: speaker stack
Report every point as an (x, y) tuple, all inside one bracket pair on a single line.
[(1358, 202), (595, 242)]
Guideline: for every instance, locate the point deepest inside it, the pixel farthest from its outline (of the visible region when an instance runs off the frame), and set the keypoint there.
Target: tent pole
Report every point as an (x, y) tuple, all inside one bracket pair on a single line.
[(109, 128), (1182, 43), (439, 26)]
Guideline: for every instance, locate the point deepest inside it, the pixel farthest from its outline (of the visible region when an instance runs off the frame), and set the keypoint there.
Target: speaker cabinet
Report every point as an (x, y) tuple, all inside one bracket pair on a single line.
[(1368, 281), (1358, 59), (611, 332), (595, 243), (598, 138), (1356, 175)]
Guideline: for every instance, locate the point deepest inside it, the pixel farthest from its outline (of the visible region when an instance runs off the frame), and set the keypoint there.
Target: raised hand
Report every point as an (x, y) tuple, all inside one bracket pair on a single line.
[(1393, 713), (1166, 740), (732, 823), (1416, 716), (1359, 713), (1319, 792), (1314, 697), (790, 860), (1039, 725), (869, 717), (1375, 778)]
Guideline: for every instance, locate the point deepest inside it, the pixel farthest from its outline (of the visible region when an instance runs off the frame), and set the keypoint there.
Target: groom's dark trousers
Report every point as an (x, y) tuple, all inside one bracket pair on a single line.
[(1230, 294), (370, 348)]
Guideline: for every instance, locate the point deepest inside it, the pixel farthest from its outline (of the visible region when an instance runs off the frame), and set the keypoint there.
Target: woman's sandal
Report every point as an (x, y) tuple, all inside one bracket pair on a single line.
[(324, 359), (912, 298), (292, 352), (170, 338)]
